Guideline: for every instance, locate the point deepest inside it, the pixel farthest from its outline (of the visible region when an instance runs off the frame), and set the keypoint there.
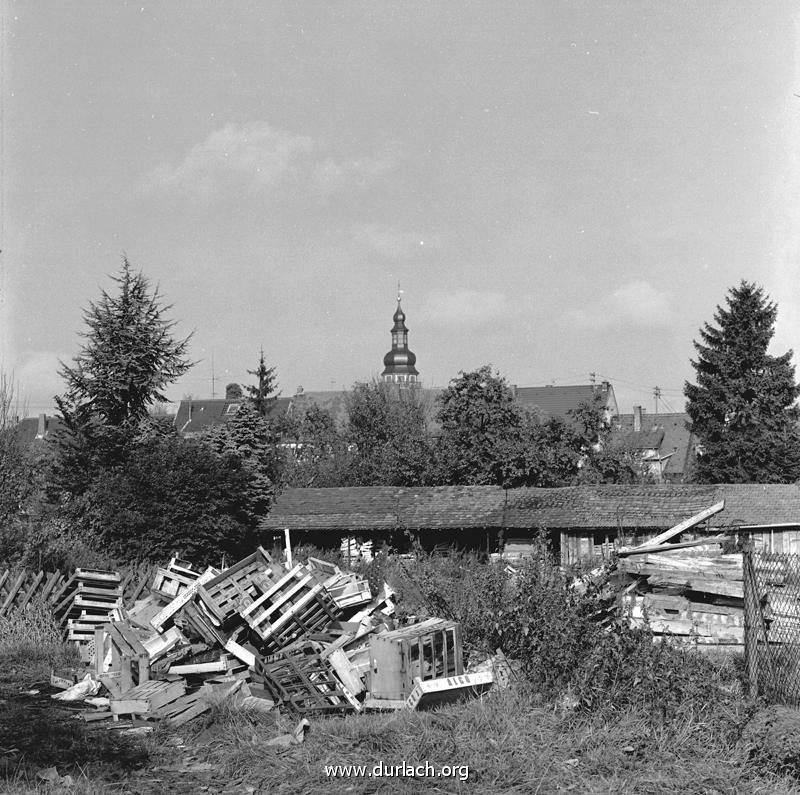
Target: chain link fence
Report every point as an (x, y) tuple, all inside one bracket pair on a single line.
[(772, 624)]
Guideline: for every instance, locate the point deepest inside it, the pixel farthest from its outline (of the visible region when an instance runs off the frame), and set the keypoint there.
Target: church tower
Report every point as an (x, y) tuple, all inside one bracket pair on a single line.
[(399, 362)]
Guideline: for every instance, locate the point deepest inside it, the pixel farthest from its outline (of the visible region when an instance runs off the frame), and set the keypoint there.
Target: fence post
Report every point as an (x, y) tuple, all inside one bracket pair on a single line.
[(750, 616)]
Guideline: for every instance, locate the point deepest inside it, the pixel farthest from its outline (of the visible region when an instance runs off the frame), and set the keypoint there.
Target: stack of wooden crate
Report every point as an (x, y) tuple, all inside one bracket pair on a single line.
[(89, 599)]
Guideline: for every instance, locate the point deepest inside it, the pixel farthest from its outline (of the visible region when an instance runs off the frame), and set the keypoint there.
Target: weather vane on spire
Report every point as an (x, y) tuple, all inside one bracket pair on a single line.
[(399, 292)]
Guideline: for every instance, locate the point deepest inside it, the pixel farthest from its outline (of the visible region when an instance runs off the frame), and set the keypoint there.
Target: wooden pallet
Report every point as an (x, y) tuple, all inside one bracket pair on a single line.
[(147, 698), (184, 709), (183, 598), (295, 606), (239, 586), (304, 681)]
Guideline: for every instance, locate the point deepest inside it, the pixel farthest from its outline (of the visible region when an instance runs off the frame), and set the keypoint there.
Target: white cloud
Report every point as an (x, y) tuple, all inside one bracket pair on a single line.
[(254, 155), (332, 176), (390, 241), (635, 303), (462, 308), (640, 302)]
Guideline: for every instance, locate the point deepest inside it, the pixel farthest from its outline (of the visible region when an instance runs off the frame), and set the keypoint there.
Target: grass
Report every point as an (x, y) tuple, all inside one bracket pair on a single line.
[(640, 718), (511, 742)]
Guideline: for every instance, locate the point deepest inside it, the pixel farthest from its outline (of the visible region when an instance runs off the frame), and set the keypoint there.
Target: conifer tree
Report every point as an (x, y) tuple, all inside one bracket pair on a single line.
[(742, 407), (128, 358), (263, 394)]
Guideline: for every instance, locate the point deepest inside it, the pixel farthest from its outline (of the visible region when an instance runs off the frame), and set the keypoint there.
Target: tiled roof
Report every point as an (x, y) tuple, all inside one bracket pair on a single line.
[(678, 439), (380, 507), (610, 506), (558, 401), (194, 415), (28, 429), (604, 506), (760, 503)]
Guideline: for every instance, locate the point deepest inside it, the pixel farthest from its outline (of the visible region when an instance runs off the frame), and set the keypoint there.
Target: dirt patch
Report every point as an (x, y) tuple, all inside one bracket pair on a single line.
[(37, 733)]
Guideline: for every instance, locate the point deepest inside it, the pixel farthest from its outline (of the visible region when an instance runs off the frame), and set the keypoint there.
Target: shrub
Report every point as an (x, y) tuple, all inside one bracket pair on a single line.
[(460, 587), (564, 633)]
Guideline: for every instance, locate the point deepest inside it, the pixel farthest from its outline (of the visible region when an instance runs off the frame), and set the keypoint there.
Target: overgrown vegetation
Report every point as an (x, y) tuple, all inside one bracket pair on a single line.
[(593, 705)]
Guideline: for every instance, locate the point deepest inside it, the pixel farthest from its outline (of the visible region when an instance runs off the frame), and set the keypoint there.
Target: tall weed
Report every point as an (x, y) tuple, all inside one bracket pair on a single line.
[(548, 621)]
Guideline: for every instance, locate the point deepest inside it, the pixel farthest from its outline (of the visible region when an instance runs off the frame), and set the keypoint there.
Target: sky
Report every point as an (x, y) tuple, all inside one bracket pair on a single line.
[(560, 188)]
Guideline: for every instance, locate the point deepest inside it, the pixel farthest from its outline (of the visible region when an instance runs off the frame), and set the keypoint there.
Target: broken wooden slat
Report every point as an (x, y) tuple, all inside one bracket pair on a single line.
[(645, 548), (679, 528)]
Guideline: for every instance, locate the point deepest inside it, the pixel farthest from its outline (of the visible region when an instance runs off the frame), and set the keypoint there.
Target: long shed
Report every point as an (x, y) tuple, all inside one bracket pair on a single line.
[(583, 521)]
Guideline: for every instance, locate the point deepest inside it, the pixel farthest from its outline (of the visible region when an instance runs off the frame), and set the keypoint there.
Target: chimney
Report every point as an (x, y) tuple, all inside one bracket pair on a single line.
[(233, 392), (637, 419), (41, 428)]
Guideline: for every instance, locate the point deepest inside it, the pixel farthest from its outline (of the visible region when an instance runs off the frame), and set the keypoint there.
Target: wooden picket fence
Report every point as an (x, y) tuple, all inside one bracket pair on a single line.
[(22, 587)]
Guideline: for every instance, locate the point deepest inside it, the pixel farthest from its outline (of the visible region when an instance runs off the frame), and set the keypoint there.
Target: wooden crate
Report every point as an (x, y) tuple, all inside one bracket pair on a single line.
[(175, 578), (295, 606), (345, 588), (428, 650), (239, 586), (183, 598), (121, 659), (304, 681)]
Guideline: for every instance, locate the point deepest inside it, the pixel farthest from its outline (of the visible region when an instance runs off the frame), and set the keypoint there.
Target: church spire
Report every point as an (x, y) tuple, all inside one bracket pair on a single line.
[(399, 362)]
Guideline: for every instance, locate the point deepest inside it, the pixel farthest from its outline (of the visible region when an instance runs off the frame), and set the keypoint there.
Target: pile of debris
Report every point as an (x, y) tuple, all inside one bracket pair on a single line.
[(307, 638), (686, 589)]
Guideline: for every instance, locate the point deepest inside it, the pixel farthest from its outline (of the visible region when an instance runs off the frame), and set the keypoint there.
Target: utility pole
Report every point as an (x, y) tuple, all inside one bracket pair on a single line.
[(656, 396), (214, 378), (593, 379)]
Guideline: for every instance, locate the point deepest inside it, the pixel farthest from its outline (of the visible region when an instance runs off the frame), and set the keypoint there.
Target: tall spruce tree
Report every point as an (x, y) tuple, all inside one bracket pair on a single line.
[(128, 358), (742, 407), (263, 394)]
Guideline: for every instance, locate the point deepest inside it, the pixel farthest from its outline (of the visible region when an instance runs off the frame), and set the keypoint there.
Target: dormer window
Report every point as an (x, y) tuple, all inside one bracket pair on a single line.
[(232, 408)]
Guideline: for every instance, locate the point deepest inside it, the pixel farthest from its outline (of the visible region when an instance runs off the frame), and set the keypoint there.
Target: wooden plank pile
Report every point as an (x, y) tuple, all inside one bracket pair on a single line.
[(306, 637), (252, 623), (689, 590)]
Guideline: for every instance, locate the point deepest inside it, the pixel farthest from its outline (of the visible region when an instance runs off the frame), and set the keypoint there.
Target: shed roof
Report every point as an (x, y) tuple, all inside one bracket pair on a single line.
[(657, 506)]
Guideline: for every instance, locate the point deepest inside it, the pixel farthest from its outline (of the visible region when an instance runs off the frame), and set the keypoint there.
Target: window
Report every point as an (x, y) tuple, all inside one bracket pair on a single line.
[(232, 408)]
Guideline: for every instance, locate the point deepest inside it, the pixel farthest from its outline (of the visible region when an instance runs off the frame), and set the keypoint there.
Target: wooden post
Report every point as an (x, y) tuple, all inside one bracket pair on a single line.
[(750, 617), (288, 539)]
